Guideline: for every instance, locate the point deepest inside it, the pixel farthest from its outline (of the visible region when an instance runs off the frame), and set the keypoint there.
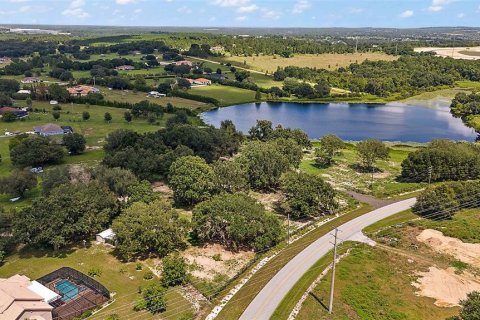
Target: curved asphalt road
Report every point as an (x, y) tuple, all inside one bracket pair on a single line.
[(268, 299)]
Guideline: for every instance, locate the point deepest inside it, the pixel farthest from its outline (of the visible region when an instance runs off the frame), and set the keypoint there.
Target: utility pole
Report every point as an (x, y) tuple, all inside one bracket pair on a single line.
[(288, 218), (332, 285), (430, 168)]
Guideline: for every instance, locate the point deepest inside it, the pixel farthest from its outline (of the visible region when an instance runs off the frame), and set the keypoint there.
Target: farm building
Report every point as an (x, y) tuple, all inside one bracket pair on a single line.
[(125, 67), (156, 94), (81, 91), (28, 80), (184, 62)]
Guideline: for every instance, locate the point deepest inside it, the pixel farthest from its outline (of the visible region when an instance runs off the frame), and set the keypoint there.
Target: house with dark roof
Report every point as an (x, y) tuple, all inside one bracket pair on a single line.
[(19, 113), (50, 129)]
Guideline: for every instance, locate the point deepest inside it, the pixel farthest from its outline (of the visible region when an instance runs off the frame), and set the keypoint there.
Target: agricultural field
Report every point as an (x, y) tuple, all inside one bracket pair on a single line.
[(135, 97), (344, 174), (122, 279), (329, 61), (225, 95)]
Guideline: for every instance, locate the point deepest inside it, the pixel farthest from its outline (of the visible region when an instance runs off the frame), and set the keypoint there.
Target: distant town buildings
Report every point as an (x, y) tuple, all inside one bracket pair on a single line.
[(81, 91), (5, 60)]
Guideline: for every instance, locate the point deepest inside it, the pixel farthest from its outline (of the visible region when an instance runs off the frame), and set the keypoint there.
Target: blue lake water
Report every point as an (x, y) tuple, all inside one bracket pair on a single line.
[(388, 122)]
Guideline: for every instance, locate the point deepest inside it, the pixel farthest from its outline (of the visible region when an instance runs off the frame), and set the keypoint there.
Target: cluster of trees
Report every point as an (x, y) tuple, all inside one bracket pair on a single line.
[(155, 152), (444, 200), (443, 160), (18, 48), (31, 151), (305, 90), (407, 75), (465, 105)]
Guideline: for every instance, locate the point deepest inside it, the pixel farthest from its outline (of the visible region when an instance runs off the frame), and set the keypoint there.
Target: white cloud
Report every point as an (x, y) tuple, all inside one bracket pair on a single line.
[(438, 5), (75, 9), (184, 9), (460, 15), (230, 3), (241, 18), (300, 6), (271, 14), (24, 8), (355, 10), (248, 9), (406, 14), (125, 1), (137, 11)]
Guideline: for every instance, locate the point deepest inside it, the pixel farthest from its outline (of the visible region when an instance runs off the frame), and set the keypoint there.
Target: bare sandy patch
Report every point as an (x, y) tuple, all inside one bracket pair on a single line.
[(214, 259), (269, 200), (472, 53), (445, 286), (466, 252), (161, 187)]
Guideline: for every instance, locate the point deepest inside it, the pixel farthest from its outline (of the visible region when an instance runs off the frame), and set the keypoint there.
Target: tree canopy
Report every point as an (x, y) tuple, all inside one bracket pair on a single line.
[(236, 221)]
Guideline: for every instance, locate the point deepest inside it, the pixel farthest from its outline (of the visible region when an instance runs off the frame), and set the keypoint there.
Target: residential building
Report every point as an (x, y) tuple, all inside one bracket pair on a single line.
[(5, 60), (22, 299), (125, 67), (50, 129), (156, 94), (24, 91), (82, 90), (200, 82), (29, 80), (18, 112), (184, 62)]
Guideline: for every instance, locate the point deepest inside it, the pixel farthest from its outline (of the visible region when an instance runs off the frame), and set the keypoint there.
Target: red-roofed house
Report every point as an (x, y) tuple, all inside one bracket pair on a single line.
[(81, 91)]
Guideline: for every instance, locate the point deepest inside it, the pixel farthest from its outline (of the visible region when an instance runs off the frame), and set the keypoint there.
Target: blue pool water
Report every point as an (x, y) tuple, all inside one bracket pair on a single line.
[(67, 289), (391, 122)]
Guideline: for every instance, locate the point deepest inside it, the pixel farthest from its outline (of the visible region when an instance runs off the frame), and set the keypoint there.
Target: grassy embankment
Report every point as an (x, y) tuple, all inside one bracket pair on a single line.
[(372, 282), (344, 173), (241, 300)]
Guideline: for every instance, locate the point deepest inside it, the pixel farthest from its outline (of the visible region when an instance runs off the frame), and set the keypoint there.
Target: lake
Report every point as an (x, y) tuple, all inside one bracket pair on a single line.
[(355, 121)]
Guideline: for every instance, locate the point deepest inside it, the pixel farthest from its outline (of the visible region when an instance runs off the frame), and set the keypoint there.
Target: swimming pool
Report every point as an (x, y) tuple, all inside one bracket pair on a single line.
[(67, 289)]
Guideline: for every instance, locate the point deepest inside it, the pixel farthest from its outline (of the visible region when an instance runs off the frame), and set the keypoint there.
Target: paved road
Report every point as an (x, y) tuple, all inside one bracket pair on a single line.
[(267, 300)]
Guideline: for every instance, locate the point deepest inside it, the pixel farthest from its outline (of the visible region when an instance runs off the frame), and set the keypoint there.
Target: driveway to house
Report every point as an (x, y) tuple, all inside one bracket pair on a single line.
[(268, 299)]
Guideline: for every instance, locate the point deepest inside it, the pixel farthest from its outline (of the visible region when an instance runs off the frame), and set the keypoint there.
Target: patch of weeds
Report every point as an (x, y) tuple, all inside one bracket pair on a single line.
[(217, 257), (460, 266)]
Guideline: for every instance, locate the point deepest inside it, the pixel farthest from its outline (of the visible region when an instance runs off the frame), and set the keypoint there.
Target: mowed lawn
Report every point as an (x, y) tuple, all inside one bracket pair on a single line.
[(119, 278), (330, 61), (135, 97), (225, 94)]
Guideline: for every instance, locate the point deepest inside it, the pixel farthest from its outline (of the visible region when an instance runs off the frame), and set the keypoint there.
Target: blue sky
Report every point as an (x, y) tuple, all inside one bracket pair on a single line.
[(244, 13)]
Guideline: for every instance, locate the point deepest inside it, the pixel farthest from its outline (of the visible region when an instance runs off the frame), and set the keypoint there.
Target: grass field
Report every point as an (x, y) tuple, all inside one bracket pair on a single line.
[(324, 61), (344, 175), (119, 278), (135, 97), (225, 94)]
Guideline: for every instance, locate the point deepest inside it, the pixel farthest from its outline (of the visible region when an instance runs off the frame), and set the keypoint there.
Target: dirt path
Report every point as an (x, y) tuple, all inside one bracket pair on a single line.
[(374, 202)]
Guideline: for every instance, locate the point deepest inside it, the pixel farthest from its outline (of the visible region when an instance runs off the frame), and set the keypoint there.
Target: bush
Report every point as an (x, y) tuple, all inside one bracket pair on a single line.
[(448, 160), (94, 272), (148, 275), (174, 270)]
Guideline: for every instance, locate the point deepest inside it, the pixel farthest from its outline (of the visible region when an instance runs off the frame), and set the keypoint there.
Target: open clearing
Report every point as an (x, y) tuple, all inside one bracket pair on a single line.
[(330, 61), (472, 53), (435, 281), (224, 94), (465, 252)]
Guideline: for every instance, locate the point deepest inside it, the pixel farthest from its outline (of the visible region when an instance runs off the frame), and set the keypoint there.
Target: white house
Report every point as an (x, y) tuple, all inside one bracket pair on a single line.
[(106, 236), (24, 91), (156, 94)]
